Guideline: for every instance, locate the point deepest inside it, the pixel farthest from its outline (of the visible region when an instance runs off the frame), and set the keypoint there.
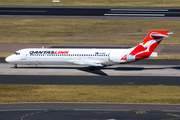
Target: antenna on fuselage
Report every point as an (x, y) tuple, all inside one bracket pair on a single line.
[(43, 47)]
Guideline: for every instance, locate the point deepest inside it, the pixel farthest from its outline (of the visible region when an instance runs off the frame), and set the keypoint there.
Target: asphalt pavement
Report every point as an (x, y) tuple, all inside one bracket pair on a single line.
[(91, 11), (103, 13), (89, 80), (88, 111)]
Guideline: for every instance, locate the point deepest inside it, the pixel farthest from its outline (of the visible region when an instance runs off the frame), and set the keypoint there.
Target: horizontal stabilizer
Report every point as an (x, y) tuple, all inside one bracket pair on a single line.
[(157, 34)]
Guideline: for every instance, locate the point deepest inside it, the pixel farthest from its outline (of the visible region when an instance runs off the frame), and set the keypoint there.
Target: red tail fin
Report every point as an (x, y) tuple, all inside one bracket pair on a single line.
[(147, 46), (150, 43)]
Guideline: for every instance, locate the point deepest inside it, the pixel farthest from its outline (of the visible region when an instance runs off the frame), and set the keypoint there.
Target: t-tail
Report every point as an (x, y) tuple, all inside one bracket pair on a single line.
[(147, 46)]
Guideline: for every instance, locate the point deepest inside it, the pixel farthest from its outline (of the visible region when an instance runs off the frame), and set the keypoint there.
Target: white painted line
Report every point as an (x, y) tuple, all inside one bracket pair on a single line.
[(19, 11), (23, 110), (134, 14), (100, 110), (138, 10)]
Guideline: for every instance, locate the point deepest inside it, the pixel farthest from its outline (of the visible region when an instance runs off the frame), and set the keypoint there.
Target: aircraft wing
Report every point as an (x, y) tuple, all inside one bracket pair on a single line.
[(89, 63)]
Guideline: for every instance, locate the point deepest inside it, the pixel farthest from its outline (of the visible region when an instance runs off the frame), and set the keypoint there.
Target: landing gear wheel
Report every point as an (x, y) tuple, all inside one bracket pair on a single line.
[(91, 68), (15, 66)]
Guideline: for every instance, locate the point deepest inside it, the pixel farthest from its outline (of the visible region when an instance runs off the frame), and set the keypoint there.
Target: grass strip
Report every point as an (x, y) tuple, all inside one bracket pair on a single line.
[(132, 3), (167, 57), (63, 31), (163, 57), (4, 55), (89, 93)]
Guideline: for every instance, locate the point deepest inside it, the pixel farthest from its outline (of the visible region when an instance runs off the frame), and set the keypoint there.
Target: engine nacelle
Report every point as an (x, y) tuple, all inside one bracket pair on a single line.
[(130, 57), (115, 57), (121, 58)]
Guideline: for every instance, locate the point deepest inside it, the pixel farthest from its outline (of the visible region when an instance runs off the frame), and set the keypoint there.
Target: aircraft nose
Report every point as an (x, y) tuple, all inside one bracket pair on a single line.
[(8, 59)]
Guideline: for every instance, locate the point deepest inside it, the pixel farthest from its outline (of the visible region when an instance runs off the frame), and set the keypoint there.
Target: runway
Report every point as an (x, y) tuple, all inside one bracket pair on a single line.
[(88, 111), (75, 70), (92, 11), (119, 13), (89, 80)]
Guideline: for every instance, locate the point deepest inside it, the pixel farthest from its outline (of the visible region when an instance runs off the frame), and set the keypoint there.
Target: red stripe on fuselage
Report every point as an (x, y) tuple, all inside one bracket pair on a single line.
[(61, 52)]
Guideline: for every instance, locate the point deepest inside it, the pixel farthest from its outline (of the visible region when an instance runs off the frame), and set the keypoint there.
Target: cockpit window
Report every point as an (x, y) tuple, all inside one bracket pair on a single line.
[(16, 53)]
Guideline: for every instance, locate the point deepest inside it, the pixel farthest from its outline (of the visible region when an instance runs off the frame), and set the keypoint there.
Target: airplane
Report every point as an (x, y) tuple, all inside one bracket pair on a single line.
[(89, 57)]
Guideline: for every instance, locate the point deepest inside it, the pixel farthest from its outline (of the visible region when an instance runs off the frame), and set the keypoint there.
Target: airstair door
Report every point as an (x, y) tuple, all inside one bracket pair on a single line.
[(23, 56)]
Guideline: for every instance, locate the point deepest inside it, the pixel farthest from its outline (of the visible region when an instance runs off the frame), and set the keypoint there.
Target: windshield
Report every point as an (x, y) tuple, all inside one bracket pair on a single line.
[(16, 53)]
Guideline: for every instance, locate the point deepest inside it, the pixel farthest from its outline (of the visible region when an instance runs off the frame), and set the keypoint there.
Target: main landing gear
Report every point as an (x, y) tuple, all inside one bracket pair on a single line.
[(91, 68), (15, 66)]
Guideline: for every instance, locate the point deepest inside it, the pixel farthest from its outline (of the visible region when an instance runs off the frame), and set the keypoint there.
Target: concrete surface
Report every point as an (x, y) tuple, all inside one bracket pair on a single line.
[(117, 70)]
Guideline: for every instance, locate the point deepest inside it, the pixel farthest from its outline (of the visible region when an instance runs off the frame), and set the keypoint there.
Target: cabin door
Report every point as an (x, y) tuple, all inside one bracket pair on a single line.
[(23, 56)]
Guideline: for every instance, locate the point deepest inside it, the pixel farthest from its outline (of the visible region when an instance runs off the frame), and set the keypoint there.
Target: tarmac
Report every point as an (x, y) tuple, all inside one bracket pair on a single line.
[(76, 70), (88, 111), (89, 80)]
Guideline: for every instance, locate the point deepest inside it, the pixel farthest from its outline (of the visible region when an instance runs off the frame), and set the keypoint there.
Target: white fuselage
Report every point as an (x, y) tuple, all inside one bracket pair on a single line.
[(67, 56)]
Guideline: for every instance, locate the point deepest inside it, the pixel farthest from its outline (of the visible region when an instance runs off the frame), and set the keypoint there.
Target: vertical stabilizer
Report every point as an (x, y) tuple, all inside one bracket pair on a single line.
[(149, 44)]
